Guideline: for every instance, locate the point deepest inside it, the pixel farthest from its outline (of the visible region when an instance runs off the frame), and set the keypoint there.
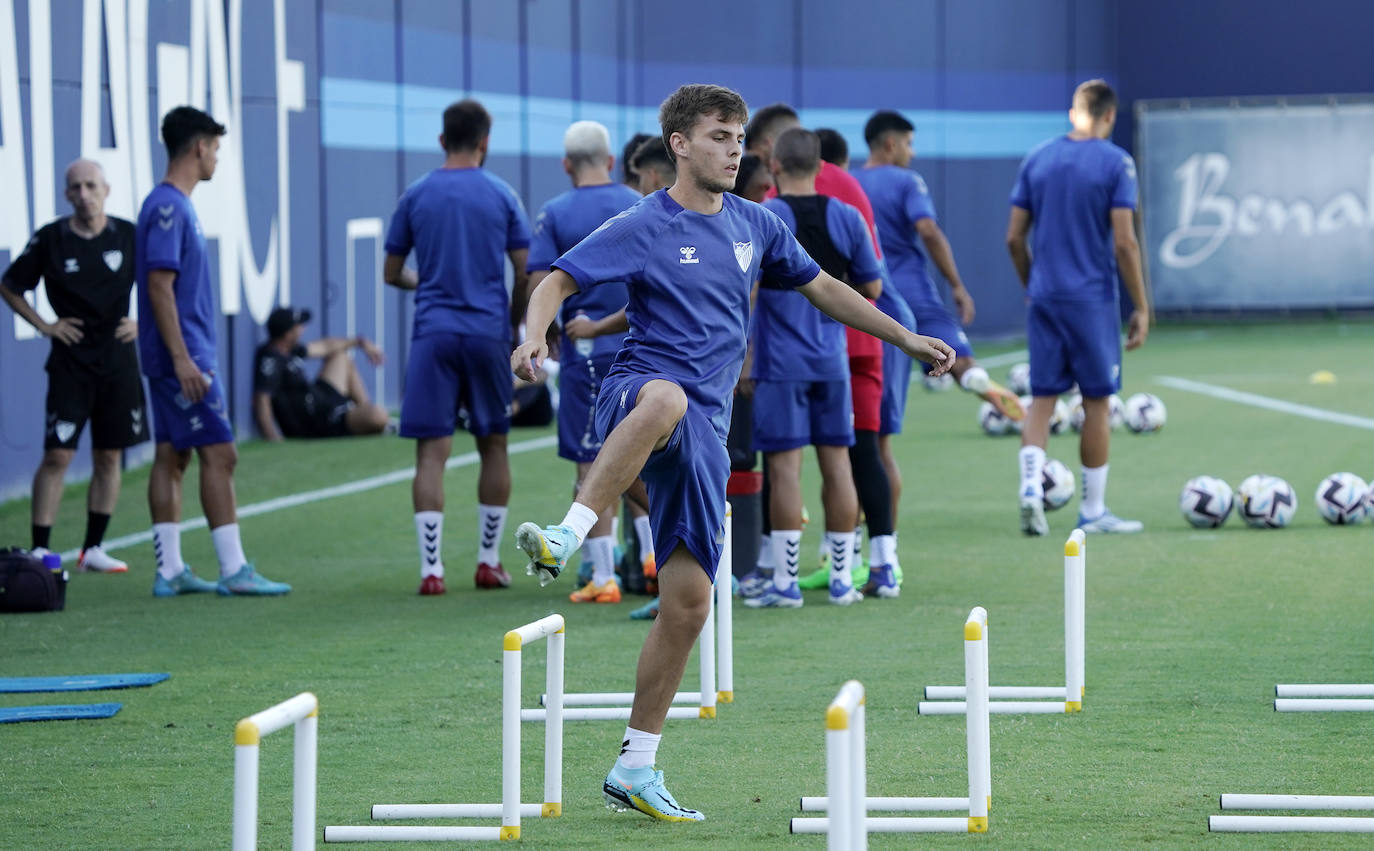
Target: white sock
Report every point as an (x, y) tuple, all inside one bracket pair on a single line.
[(841, 546), (896, 558), (639, 749), (580, 519), (645, 535), (228, 548), (615, 525), (429, 534), (882, 550), (167, 549), (1032, 462), (491, 522), (786, 555), (765, 563), (1094, 492), (600, 551), (975, 380)]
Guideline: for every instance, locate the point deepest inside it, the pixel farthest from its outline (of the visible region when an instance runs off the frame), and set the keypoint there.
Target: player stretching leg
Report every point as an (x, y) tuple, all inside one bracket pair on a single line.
[(1079, 191), (690, 255)]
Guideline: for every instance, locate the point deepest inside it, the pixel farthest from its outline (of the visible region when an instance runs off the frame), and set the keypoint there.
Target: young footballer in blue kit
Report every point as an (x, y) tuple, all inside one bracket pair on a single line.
[(800, 373), (583, 362), (690, 255), (463, 222), (172, 268), (1075, 197)]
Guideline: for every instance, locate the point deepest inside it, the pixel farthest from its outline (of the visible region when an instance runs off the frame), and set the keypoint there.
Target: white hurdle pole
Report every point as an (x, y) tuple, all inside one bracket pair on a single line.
[(303, 711), (1290, 824), (1297, 802), (725, 614), (1322, 704), (1324, 690)]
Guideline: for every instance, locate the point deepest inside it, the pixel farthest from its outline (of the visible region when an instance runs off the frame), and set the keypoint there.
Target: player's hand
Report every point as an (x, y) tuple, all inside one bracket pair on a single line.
[(194, 383), (374, 354), (963, 300), (527, 358), (1138, 329), (580, 327), (931, 350), (65, 330), (126, 331)]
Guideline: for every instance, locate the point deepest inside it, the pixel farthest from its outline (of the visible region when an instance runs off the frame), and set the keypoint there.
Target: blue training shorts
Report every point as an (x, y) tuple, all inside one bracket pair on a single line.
[(451, 377), (686, 478), (184, 425), (578, 386), (1074, 341), (793, 414), (937, 321)]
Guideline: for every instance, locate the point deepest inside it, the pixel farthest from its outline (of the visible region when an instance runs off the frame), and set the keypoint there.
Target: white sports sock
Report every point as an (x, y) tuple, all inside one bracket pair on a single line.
[(639, 749), (841, 546), (786, 556), (615, 526), (882, 550), (491, 522), (645, 535), (167, 549), (429, 534), (975, 380), (896, 558), (228, 548), (765, 563), (1032, 462), (580, 519), (1094, 492), (600, 551)]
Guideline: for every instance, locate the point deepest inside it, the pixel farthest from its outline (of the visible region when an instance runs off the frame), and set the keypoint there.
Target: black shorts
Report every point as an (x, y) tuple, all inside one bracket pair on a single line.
[(111, 399), (321, 411)]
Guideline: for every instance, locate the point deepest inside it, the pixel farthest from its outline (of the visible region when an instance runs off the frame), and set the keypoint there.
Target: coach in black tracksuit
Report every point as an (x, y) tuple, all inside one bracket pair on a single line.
[(87, 262)]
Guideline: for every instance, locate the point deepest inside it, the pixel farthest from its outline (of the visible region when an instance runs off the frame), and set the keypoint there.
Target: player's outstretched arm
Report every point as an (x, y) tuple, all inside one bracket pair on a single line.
[(543, 307), (839, 301)]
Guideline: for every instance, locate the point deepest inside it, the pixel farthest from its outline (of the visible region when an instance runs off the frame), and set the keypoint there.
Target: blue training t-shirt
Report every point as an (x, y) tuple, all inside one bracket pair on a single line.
[(689, 277), (168, 236), (900, 199), (564, 222), (793, 340), (1070, 188), (460, 222)]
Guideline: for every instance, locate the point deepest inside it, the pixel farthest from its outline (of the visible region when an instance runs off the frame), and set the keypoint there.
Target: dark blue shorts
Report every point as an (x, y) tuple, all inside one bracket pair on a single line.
[(793, 414), (578, 386), (184, 425), (686, 478), (1074, 341), (453, 378), (939, 322)]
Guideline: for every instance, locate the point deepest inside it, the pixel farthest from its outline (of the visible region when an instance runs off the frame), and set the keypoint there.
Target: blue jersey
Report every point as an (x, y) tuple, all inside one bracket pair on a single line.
[(689, 277), (900, 199), (564, 222), (1070, 188), (461, 222), (169, 237), (794, 341)]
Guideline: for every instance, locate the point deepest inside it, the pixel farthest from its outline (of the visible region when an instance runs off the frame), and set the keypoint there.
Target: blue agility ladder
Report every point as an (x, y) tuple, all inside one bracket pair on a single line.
[(88, 682), (12, 714)]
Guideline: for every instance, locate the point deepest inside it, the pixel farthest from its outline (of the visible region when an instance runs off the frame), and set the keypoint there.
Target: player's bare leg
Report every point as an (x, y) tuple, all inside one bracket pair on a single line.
[(974, 379), (1093, 514), (164, 483), (841, 501), (598, 555), (217, 463), (47, 487), (427, 498), (100, 503), (894, 475), (164, 504), (493, 493)]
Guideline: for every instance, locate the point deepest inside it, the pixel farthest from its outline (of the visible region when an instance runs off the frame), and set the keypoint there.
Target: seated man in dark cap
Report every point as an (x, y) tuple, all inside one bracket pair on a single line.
[(287, 404)]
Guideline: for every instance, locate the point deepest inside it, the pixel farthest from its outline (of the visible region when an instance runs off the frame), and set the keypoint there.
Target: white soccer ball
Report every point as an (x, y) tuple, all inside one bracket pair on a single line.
[(1145, 413), (1059, 420), (1342, 499), (937, 383), (1266, 502), (1206, 502), (1018, 379), (992, 422), (1116, 412), (1058, 484)]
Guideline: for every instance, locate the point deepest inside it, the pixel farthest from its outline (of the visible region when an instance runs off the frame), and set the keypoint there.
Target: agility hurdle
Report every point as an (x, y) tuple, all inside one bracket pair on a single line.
[(1043, 700), (1324, 697), (1293, 824), (716, 652), (510, 809), (847, 801), (303, 711)]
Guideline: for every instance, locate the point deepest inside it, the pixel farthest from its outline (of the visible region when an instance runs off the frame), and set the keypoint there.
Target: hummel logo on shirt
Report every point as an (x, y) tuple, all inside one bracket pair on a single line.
[(70, 266), (688, 254)]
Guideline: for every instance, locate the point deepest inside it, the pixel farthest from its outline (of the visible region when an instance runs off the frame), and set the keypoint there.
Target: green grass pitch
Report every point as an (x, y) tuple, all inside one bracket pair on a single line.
[(1188, 632)]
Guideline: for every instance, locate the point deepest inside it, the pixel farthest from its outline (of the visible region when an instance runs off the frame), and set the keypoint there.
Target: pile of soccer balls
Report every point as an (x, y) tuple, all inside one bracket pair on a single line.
[(1142, 413), (1268, 502)]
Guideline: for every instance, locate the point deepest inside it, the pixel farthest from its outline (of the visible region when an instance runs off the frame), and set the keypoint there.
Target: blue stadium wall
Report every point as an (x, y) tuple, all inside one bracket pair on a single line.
[(333, 108)]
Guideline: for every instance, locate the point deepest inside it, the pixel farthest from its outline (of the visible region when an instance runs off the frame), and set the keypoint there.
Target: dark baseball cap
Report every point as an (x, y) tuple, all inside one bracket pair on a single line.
[(283, 319)]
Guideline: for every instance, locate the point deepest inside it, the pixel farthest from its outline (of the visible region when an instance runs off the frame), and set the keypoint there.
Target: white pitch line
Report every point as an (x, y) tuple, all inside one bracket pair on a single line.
[(467, 459), (1258, 401), (1005, 358)]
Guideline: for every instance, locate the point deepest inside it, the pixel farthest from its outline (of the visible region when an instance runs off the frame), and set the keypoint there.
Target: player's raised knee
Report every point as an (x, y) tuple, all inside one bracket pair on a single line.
[(664, 399)]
